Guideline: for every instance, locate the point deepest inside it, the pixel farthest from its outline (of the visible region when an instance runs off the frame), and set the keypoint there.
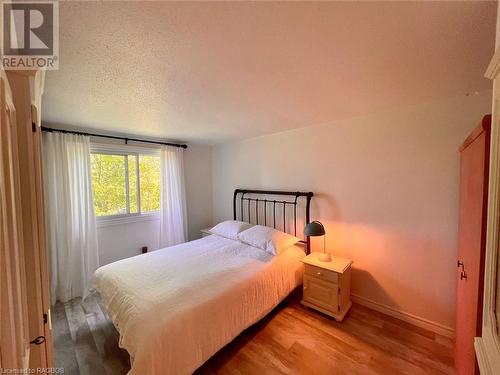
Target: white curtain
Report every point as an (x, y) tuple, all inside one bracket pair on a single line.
[(173, 223), (70, 218)]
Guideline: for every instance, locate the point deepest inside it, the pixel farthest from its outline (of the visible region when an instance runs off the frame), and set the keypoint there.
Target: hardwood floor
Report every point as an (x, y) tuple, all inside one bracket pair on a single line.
[(290, 340)]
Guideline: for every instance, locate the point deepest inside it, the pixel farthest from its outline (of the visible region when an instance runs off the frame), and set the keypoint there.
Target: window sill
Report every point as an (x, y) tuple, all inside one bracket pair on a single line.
[(126, 219)]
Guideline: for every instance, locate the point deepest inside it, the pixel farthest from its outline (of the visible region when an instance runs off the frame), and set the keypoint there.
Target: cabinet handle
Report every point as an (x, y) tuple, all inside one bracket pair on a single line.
[(305, 288), (463, 275), (38, 341)]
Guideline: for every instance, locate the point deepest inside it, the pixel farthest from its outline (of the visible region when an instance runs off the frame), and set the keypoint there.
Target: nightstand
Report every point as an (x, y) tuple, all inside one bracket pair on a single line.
[(327, 285), (205, 232)]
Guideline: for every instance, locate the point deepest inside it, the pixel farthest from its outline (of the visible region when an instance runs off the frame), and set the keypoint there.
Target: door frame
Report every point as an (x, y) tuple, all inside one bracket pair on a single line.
[(14, 331), (488, 345)]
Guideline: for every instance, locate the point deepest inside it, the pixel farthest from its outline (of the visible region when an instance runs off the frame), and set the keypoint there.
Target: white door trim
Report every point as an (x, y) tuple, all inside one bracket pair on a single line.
[(488, 345)]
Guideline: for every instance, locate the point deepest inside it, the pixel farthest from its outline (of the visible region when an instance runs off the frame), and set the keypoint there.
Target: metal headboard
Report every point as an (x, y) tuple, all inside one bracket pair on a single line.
[(250, 200)]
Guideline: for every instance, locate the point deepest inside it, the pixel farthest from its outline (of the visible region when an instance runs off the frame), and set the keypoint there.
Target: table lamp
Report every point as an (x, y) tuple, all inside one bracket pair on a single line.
[(315, 228)]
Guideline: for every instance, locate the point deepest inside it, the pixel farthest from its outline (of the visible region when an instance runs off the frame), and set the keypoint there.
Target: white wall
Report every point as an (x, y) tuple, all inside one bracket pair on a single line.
[(198, 166), (119, 241), (386, 187)]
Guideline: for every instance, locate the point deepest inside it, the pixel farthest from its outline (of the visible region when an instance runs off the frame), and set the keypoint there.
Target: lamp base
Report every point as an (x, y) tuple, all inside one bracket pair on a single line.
[(325, 257)]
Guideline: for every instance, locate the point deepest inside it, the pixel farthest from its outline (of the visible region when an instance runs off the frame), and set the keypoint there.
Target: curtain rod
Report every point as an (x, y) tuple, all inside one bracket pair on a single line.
[(126, 139)]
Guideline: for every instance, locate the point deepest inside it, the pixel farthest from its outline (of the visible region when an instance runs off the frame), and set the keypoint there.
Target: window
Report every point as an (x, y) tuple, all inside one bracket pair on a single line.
[(125, 184)]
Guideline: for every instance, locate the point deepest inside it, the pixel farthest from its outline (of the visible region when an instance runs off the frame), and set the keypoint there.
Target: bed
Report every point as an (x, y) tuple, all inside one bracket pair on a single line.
[(176, 307)]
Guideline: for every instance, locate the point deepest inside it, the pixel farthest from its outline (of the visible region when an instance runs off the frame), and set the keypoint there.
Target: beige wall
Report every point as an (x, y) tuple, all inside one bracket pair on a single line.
[(386, 187)]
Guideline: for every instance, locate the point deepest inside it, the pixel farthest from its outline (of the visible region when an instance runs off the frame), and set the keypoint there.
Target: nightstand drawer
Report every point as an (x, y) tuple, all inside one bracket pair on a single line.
[(322, 274), (320, 293)]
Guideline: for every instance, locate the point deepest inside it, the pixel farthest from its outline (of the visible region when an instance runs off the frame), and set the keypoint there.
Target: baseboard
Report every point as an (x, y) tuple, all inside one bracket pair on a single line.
[(405, 316)]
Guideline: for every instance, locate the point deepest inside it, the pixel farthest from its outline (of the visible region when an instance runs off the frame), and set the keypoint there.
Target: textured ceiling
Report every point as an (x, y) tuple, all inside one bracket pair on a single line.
[(214, 72)]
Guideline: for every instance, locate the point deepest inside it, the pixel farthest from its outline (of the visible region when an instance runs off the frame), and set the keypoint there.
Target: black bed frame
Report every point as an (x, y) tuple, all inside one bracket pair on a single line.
[(244, 197)]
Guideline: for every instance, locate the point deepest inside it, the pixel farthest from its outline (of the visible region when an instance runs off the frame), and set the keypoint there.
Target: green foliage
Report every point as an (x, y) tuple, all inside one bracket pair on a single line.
[(109, 185), (149, 171)]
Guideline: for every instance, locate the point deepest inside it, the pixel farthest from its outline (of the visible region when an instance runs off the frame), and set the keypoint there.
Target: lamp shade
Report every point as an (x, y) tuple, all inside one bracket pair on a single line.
[(314, 228)]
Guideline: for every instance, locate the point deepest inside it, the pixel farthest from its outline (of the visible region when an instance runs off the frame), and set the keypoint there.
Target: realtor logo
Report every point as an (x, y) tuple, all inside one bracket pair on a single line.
[(30, 35)]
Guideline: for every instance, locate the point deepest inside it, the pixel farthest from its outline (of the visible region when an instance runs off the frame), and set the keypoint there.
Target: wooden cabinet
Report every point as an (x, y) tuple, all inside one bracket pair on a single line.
[(474, 168), (327, 285)]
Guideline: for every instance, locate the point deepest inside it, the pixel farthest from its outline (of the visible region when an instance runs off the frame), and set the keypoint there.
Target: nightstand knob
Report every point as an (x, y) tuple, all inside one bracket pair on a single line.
[(305, 288), (319, 273)]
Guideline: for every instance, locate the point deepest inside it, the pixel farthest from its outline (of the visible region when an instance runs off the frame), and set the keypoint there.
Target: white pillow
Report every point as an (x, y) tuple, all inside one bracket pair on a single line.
[(268, 239), (230, 229)]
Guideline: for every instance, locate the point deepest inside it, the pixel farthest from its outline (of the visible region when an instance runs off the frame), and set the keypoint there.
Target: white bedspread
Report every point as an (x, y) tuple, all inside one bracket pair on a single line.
[(175, 307)]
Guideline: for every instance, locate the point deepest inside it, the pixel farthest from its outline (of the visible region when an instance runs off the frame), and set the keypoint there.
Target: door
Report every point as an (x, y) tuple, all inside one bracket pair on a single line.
[(474, 156), (14, 330), (32, 216)]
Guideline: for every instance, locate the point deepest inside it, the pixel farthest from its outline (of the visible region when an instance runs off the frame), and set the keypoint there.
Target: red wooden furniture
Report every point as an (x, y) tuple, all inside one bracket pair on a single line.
[(474, 168)]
